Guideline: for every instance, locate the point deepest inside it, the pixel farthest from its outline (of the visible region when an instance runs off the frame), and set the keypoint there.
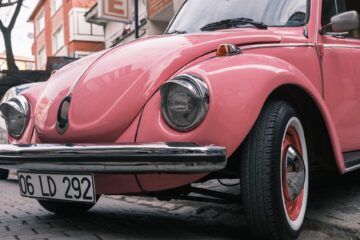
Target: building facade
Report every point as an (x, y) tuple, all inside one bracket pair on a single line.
[(23, 63), (115, 31), (154, 17), (160, 13), (60, 29)]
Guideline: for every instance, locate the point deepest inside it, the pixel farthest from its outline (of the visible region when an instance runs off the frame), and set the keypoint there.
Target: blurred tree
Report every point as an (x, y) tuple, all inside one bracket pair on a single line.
[(6, 31)]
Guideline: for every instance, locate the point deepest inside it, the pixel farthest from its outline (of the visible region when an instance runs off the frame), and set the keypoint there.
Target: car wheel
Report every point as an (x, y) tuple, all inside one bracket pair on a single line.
[(274, 174), (4, 174), (66, 208)]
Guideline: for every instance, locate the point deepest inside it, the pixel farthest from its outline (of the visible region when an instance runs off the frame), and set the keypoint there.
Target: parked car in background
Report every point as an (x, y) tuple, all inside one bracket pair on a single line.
[(10, 94), (9, 79), (256, 90)]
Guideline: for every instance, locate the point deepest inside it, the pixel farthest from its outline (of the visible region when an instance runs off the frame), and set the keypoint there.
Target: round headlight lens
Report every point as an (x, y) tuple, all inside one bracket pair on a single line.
[(185, 102), (16, 114)]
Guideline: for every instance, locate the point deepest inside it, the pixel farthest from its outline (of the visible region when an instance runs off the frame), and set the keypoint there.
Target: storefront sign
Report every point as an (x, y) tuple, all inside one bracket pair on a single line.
[(115, 10)]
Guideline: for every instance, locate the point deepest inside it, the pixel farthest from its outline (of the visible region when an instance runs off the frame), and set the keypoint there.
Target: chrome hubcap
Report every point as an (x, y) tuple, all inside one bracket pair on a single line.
[(295, 173)]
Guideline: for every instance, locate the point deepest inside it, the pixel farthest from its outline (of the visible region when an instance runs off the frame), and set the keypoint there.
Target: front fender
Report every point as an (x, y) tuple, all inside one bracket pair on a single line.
[(239, 87)]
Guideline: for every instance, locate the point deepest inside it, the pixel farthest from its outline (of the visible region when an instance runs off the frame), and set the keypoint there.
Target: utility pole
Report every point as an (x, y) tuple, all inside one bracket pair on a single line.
[(137, 19)]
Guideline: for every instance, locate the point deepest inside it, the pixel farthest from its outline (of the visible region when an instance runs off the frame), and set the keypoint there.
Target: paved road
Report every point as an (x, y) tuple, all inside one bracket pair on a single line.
[(334, 214)]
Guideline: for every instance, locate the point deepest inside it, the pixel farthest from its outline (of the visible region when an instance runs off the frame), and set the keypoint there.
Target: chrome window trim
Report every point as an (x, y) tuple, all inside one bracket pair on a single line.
[(341, 46), (277, 45)]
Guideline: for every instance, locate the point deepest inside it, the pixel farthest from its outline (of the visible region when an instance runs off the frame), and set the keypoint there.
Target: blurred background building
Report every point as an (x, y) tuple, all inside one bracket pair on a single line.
[(160, 13), (60, 29), (23, 63), (154, 17), (76, 28)]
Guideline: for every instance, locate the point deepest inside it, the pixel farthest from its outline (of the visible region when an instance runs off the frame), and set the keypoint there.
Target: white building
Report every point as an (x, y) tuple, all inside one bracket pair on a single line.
[(116, 32), (154, 17)]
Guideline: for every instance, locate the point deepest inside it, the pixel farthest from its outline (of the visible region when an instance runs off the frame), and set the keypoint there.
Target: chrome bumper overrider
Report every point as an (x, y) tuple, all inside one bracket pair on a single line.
[(133, 158)]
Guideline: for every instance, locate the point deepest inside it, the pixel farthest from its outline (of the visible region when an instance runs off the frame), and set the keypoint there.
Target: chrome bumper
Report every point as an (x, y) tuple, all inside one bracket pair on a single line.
[(131, 159)]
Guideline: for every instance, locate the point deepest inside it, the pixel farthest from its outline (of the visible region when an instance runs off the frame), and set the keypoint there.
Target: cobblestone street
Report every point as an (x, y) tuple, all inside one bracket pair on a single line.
[(334, 214)]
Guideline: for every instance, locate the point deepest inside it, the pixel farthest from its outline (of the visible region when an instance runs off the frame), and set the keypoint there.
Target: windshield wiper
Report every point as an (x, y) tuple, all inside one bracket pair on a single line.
[(177, 32), (223, 24)]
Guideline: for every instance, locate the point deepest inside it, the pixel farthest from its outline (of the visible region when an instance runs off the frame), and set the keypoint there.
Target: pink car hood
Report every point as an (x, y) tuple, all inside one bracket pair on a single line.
[(109, 89)]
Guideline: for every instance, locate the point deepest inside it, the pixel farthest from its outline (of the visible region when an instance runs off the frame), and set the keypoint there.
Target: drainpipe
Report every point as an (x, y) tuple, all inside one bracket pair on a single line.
[(136, 19)]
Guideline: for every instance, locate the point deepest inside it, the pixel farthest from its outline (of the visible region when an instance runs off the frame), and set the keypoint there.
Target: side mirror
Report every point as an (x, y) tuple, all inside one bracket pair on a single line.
[(343, 22)]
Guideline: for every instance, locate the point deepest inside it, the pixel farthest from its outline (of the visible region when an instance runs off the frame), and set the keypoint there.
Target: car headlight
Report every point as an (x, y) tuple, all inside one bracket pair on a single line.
[(185, 102), (16, 115)]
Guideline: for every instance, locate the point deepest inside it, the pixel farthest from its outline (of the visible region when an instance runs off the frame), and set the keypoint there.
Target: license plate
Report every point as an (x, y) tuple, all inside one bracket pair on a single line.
[(75, 188)]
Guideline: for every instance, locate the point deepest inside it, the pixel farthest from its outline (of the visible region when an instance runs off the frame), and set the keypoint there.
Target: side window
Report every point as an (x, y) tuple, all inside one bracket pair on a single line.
[(353, 5), (331, 8)]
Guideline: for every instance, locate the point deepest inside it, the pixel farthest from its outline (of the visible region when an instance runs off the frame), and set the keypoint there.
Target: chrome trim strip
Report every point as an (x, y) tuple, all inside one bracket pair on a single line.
[(352, 161), (71, 90), (341, 46), (129, 159), (272, 45), (354, 168)]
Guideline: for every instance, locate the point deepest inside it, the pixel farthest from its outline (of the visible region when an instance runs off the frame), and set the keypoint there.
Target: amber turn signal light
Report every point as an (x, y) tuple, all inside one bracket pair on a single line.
[(227, 50)]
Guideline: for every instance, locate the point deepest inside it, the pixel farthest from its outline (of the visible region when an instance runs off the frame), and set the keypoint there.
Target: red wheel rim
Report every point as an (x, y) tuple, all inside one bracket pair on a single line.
[(293, 207)]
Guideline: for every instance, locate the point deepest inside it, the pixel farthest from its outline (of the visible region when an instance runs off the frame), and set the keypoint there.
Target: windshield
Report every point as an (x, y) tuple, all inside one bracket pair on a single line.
[(195, 14)]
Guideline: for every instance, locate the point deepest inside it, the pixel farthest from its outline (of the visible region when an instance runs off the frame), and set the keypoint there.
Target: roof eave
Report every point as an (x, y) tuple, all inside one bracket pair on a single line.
[(36, 10)]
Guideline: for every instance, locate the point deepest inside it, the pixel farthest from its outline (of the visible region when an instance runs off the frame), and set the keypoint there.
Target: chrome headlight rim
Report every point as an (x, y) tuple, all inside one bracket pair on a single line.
[(194, 84), (20, 104)]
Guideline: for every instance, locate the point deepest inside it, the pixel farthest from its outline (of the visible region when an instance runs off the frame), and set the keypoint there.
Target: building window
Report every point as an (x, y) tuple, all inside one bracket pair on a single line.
[(85, 28), (41, 58), (81, 54), (55, 5), (58, 39), (83, 31), (40, 22)]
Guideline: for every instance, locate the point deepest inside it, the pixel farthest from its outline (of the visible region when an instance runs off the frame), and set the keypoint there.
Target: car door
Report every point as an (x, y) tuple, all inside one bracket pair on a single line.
[(341, 72)]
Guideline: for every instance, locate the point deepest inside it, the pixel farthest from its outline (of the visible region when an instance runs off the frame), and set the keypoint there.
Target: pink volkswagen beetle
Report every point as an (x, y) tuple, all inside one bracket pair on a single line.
[(258, 90)]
